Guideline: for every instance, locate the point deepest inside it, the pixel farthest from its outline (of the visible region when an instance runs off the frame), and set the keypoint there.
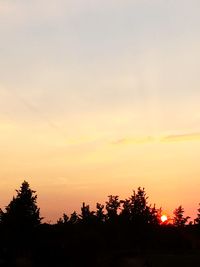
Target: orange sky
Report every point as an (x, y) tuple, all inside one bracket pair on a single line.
[(91, 171)]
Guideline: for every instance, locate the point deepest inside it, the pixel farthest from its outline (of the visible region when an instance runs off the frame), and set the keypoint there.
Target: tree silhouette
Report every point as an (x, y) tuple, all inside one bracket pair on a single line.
[(87, 216), (22, 211), (155, 215), (99, 213), (140, 210), (112, 206), (63, 220), (111, 233), (197, 220), (179, 219), (74, 218), (126, 210)]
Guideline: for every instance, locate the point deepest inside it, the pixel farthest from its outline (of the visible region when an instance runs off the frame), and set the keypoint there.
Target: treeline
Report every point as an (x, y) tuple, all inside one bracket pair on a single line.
[(100, 237), (23, 211), (135, 210)]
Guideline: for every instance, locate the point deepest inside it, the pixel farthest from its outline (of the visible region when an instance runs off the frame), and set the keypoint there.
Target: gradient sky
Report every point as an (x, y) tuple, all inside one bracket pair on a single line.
[(98, 98)]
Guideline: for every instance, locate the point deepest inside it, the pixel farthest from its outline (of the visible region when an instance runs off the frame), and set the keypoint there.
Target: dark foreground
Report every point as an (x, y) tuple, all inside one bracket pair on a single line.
[(102, 246), (149, 260)]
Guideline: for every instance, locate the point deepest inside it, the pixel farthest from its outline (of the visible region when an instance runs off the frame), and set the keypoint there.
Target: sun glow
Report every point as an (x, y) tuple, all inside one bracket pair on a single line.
[(163, 218)]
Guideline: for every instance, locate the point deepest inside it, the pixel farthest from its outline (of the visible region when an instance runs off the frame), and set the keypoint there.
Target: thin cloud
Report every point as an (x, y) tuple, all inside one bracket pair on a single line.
[(134, 140), (163, 139), (181, 137)]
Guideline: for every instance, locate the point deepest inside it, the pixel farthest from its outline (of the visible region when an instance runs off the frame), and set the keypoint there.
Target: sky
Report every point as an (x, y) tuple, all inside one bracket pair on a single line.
[(98, 98)]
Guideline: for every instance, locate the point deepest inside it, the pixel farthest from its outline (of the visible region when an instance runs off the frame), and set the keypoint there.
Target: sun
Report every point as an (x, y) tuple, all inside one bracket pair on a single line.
[(163, 218)]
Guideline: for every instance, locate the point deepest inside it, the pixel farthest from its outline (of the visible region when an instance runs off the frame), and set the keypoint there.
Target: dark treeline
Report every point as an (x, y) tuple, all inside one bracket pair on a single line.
[(125, 232)]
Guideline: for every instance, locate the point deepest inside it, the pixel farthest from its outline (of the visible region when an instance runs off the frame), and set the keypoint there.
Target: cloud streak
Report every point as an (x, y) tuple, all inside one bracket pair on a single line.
[(185, 137), (181, 137), (134, 140)]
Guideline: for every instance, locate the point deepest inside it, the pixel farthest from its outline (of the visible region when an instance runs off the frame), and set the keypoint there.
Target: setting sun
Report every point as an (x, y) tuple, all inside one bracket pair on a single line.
[(163, 218)]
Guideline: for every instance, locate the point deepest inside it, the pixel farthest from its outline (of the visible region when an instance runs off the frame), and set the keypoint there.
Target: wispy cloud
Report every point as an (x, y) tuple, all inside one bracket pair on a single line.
[(133, 140), (181, 137), (185, 137)]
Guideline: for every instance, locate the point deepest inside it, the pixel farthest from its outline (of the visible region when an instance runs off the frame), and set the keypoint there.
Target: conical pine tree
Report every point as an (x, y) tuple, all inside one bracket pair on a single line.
[(22, 211)]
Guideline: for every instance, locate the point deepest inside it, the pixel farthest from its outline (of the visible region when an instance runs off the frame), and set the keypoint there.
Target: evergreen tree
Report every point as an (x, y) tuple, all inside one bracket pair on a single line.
[(99, 213), (112, 207), (155, 215), (179, 219), (87, 215), (126, 210), (22, 211), (74, 218), (197, 220), (139, 211), (63, 220)]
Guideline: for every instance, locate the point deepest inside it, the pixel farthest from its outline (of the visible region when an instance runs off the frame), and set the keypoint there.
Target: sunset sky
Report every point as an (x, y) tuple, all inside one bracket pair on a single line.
[(98, 98)]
